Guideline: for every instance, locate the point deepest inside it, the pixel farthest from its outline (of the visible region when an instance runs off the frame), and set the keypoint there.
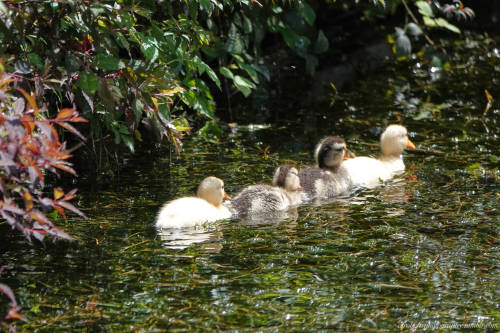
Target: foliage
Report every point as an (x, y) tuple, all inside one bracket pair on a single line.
[(30, 150), (433, 15), (126, 63)]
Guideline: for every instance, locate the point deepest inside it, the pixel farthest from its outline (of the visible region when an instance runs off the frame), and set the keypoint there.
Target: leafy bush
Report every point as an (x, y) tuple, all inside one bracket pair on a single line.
[(127, 63), (30, 150)]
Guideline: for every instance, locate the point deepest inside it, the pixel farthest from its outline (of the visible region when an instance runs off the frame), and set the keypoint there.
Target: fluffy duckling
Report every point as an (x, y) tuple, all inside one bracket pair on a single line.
[(192, 211), (368, 172), (329, 178), (264, 199)]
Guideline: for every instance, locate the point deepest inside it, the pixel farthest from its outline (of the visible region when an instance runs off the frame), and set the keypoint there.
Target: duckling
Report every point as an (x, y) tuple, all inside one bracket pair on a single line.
[(329, 178), (192, 211), (369, 172), (265, 199)]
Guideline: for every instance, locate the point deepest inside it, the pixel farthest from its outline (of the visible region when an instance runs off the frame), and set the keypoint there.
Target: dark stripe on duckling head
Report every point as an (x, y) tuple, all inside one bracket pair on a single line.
[(280, 175), (325, 146)]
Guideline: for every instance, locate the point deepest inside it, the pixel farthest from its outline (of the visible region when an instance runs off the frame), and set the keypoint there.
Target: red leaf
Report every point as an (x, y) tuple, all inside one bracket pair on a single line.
[(58, 193), (13, 314), (48, 130), (31, 100), (9, 293), (79, 120), (28, 201), (70, 195), (28, 123), (37, 215), (33, 148), (60, 210), (60, 233), (64, 168), (72, 208), (72, 130), (65, 113)]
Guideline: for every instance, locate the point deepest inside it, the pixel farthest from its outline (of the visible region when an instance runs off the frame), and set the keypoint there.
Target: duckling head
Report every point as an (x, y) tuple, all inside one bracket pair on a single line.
[(394, 140), (330, 152), (212, 190), (287, 177)]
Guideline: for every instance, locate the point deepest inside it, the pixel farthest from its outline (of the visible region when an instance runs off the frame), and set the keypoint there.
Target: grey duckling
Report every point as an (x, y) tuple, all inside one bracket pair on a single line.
[(328, 178), (264, 199)]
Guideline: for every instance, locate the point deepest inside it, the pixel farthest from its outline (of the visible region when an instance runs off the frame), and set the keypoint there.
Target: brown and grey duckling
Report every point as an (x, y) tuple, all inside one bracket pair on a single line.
[(265, 199), (328, 178)]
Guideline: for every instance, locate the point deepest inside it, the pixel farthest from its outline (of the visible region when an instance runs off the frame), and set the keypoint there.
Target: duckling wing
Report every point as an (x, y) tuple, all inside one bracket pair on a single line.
[(189, 212), (258, 199), (319, 183), (366, 171)]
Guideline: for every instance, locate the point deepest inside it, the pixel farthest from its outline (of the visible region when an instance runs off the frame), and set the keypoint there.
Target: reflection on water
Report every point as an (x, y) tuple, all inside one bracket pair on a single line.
[(289, 216), (393, 191), (182, 238)]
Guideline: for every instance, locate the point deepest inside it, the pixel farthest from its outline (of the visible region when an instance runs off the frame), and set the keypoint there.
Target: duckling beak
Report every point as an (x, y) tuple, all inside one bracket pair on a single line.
[(349, 154), (226, 197), (299, 188), (410, 145)]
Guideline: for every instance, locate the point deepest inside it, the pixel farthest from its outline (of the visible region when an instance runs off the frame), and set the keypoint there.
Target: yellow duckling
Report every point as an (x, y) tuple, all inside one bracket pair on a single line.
[(264, 199), (369, 172), (329, 178), (192, 211)]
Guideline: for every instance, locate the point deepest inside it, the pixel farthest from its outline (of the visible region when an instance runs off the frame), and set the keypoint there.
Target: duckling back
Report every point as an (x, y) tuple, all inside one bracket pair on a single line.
[(190, 212), (262, 199), (321, 183), (367, 171)]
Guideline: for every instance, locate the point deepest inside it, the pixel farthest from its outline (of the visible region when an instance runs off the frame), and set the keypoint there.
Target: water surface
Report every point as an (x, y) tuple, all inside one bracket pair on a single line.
[(419, 252)]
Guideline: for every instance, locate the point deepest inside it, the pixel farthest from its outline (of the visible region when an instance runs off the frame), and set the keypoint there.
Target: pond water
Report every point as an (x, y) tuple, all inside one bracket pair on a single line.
[(420, 252)]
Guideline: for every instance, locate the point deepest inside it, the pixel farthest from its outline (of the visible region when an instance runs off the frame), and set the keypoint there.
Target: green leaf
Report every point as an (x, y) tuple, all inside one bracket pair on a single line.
[(250, 71), (211, 132), (128, 141), (321, 45), (424, 8), (87, 82), (296, 42), (403, 45), (35, 59), (413, 29), (263, 70), (445, 24), (226, 72), (207, 6), (138, 107), (108, 62), (71, 63), (204, 68), (246, 24), (204, 107), (235, 42), (149, 47), (311, 64), (243, 85), (429, 22), (307, 12)]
